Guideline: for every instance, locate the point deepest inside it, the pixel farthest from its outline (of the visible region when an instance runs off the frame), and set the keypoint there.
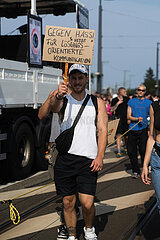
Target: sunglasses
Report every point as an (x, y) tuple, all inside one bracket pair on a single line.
[(141, 90)]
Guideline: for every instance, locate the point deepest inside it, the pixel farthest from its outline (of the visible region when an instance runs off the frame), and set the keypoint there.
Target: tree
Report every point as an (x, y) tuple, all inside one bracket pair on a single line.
[(149, 81), (131, 91)]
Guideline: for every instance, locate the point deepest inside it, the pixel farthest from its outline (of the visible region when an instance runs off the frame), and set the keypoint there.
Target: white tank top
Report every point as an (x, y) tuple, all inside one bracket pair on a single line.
[(84, 140)]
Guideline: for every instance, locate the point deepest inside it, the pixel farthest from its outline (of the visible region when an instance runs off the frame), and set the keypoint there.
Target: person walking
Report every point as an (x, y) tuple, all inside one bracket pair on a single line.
[(119, 106), (78, 169), (137, 112), (153, 151), (108, 106), (43, 112)]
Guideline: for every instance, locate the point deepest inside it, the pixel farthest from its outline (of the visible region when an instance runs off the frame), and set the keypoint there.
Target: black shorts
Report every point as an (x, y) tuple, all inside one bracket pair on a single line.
[(122, 127), (73, 174)]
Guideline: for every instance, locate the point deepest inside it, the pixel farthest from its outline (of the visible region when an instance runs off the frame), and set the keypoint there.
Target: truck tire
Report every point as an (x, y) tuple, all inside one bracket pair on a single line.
[(43, 135), (21, 157)]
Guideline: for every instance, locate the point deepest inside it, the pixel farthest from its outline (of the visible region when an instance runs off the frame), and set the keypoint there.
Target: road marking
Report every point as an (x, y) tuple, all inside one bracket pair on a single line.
[(112, 160), (51, 220), (51, 188), (12, 194), (20, 181), (111, 149), (115, 175)]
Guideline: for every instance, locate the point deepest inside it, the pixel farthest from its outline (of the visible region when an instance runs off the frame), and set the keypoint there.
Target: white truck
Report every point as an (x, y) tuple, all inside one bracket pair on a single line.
[(23, 138)]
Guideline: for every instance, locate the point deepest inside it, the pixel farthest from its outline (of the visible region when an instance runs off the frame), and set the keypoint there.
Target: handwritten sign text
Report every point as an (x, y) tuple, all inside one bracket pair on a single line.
[(70, 45)]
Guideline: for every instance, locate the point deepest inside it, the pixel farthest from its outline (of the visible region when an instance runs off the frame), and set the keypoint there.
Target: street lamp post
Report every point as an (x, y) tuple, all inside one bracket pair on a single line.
[(99, 66), (157, 70)]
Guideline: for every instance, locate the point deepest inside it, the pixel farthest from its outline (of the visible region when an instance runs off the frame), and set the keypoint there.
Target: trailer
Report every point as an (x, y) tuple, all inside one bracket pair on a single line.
[(23, 89)]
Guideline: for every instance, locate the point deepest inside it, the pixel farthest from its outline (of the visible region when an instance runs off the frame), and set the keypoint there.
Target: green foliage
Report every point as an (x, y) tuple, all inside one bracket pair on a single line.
[(131, 92), (149, 81)]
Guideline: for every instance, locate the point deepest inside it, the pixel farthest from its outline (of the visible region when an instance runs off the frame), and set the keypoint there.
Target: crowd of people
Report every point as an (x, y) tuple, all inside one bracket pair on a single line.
[(76, 171), (139, 116), (129, 110)]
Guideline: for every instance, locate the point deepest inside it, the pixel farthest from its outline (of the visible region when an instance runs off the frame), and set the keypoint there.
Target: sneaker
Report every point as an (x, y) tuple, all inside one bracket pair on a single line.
[(125, 151), (72, 238), (62, 232), (135, 175), (119, 155), (89, 233)]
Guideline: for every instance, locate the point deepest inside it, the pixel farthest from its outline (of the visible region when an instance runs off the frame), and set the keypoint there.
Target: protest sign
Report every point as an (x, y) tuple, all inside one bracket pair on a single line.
[(112, 128), (70, 45)]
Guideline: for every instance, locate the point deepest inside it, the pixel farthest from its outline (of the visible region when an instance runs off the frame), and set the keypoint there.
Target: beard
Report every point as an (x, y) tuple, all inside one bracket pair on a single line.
[(78, 88)]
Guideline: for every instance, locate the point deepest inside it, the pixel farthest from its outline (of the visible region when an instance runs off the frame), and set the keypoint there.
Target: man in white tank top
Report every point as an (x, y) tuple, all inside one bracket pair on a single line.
[(78, 169)]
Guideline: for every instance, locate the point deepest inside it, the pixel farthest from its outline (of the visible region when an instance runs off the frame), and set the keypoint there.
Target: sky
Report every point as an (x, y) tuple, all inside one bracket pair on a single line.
[(130, 30)]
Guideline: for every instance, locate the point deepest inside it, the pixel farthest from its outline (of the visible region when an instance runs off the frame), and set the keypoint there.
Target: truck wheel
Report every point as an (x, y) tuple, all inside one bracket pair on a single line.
[(22, 155), (43, 133)]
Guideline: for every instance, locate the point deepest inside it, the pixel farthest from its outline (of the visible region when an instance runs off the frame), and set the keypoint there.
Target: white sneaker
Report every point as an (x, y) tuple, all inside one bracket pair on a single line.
[(89, 234), (135, 175), (72, 238)]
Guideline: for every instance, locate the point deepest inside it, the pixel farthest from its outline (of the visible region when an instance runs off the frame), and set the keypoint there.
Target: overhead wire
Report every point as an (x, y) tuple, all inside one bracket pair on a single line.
[(130, 36), (128, 15)]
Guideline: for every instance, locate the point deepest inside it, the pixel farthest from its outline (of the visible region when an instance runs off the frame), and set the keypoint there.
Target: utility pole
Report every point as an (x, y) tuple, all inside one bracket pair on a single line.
[(130, 78), (157, 70), (99, 66), (102, 77), (0, 26), (99, 73), (33, 7), (124, 78)]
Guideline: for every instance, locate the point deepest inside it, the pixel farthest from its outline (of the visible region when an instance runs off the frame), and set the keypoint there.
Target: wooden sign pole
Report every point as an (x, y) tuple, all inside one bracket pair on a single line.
[(66, 72)]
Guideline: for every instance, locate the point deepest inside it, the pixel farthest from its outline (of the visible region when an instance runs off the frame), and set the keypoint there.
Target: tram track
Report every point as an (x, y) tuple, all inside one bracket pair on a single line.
[(137, 226), (25, 214)]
